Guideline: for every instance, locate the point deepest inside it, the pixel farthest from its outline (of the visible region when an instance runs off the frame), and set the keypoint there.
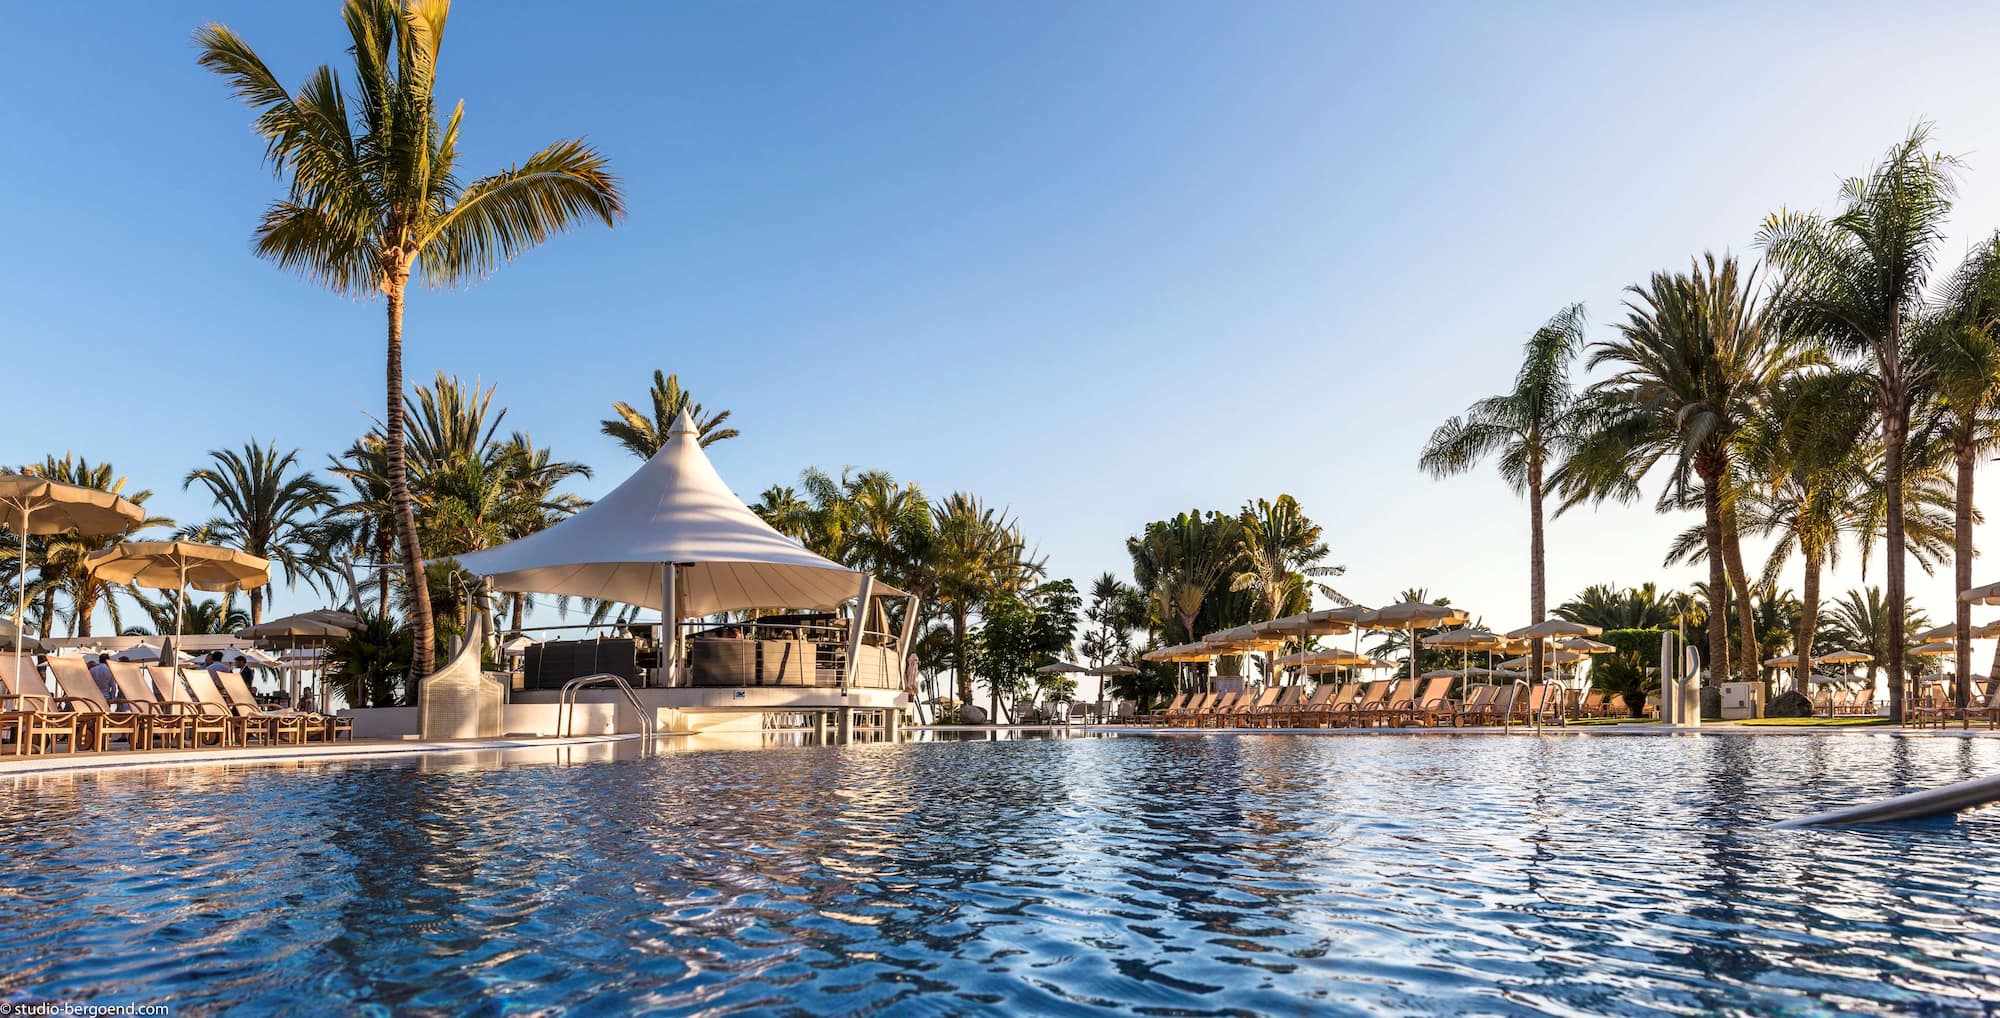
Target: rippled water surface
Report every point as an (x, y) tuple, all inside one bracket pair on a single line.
[(1162, 876)]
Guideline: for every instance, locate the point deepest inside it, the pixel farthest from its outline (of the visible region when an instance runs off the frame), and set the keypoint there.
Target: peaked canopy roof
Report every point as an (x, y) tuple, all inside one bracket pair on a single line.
[(674, 509)]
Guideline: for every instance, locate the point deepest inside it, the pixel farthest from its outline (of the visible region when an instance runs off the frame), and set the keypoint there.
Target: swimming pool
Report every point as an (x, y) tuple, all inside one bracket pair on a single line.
[(1240, 874)]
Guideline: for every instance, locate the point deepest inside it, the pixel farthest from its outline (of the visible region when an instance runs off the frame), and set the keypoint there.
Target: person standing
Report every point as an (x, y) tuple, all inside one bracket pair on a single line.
[(100, 672)]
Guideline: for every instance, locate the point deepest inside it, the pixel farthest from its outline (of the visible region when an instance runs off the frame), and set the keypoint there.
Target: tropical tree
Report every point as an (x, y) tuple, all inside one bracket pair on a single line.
[(363, 521), (1855, 282), (1020, 631), (1861, 620), (978, 553), (1179, 561), (1279, 552), (1695, 354), (201, 616), (1531, 428), (374, 196), (1608, 606), (270, 507), (1960, 347), (643, 435)]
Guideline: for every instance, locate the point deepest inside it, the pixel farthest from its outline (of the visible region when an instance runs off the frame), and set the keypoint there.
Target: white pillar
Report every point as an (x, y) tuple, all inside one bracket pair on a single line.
[(670, 629), (855, 631)]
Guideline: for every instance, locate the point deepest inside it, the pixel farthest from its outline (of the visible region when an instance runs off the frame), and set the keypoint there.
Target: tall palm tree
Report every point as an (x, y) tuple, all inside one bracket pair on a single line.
[(978, 554), (1694, 356), (1855, 281), (1280, 553), (642, 435), (269, 507), (374, 196), (1861, 620), (1807, 461), (1532, 428), (1961, 346)]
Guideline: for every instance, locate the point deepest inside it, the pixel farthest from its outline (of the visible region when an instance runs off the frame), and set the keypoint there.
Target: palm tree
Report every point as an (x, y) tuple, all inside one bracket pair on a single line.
[(1861, 620), (365, 524), (1962, 350), (374, 196), (199, 617), (1694, 356), (1532, 428), (1855, 281), (978, 554), (1608, 606), (643, 435), (269, 508), (1280, 549)]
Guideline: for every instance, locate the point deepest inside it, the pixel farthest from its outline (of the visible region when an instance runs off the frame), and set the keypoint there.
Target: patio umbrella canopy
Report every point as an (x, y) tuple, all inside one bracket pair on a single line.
[(320, 624), (1408, 616), (1843, 657), (178, 565), (31, 505)]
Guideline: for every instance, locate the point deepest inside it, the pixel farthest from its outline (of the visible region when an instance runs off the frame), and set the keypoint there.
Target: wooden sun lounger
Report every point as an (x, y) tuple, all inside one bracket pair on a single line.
[(1477, 705), (1297, 714), (1498, 708), (1160, 716), (1218, 710), (1432, 703), (99, 722), (289, 726), (1374, 696), (1250, 710), (169, 720), (1267, 715), (34, 717), (215, 710), (1322, 714)]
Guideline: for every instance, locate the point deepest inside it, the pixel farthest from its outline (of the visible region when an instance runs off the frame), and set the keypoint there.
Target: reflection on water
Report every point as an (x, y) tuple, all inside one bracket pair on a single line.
[(1187, 875)]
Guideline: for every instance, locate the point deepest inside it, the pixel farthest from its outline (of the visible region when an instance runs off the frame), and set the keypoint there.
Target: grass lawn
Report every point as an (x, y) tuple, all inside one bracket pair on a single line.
[(1855, 722), (1615, 721)]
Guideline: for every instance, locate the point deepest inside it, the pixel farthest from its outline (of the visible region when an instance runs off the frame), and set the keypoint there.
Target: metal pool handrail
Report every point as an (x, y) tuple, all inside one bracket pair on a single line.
[(566, 707)]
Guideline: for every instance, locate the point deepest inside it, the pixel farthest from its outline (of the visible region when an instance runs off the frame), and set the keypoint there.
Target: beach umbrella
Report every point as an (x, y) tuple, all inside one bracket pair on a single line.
[(39, 506), (1408, 616), (319, 624), (1934, 633), (1584, 645), (1467, 641), (1061, 668), (1782, 661), (11, 637), (1549, 658), (1988, 594), (1304, 625), (178, 565), (517, 646), (1843, 657), (1554, 629)]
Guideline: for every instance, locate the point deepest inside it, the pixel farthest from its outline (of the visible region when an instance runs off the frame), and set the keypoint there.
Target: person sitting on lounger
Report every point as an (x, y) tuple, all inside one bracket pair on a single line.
[(306, 700)]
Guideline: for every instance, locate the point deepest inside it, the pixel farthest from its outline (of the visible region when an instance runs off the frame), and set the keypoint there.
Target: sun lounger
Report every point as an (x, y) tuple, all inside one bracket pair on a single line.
[(169, 720), (215, 709), (1374, 696), (98, 722), (1296, 715), (1218, 710), (1160, 716), (1477, 705), (1321, 714), (1269, 715), (283, 726), (32, 714), (1252, 714), (1431, 702)]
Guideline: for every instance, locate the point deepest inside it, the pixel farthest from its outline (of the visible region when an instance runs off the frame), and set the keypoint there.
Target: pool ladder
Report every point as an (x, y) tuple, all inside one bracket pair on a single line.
[(566, 707)]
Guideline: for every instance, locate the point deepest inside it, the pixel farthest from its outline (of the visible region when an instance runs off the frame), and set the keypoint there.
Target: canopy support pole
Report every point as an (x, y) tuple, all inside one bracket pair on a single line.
[(856, 629), (670, 627)]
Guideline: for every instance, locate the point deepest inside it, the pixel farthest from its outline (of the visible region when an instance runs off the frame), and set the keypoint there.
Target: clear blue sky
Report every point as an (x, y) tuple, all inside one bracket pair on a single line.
[(1099, 262)]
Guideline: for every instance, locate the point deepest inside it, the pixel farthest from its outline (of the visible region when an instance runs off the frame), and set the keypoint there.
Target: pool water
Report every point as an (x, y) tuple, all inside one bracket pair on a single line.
[(1199, 875)]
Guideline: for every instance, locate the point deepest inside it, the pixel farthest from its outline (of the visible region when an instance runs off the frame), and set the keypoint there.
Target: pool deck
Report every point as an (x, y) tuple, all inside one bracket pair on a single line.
[(360, 749), (366, 749)]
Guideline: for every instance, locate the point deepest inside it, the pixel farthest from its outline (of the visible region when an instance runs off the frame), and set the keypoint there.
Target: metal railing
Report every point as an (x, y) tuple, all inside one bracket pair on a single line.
[(566, 707)]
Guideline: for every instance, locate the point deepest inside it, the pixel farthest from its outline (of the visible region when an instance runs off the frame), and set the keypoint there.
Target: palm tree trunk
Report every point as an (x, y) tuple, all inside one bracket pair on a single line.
[(958, 655), (1538, 585), (1962, 451), (520, 612), (256, 605), (385, 549), (1895, 432), (1718, 585), (1747, 667), (1808, 621), (424, 635), (48, 610)]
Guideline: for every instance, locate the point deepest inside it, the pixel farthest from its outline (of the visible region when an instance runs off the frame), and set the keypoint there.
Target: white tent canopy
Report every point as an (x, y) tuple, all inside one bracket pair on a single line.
[(676, 509)]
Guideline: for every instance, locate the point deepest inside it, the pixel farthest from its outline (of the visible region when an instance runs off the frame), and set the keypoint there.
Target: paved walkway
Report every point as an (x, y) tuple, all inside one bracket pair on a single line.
[(43, 763)]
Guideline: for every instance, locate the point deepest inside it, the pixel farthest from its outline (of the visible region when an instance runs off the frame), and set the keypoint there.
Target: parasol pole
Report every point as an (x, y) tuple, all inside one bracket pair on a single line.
[(21, 590)]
